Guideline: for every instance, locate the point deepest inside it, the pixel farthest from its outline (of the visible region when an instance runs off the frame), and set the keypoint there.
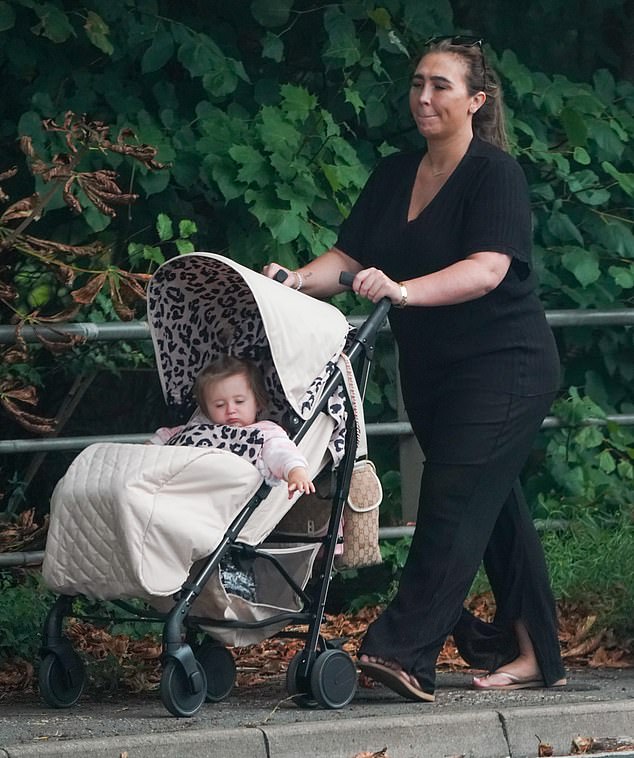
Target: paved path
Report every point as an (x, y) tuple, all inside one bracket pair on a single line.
[(260, 722)]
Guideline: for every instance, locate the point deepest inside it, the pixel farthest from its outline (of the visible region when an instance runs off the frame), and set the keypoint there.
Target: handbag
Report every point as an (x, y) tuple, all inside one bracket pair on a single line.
[(361, 511), (361, 518)]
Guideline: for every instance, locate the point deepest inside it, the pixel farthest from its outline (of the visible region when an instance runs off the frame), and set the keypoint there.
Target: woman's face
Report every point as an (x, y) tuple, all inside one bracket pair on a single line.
[(438, 97)]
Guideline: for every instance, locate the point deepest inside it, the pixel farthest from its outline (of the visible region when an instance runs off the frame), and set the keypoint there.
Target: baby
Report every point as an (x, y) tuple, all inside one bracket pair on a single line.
[(230, 392)]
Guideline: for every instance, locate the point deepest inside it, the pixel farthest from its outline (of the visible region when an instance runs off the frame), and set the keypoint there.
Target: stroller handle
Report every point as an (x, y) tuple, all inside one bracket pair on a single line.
[(366, 333), (376, 318)]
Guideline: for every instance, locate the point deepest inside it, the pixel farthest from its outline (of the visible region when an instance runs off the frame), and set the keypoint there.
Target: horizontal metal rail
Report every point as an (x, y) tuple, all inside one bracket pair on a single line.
[(35, 557), (139, 330), (383, 429), (106, 332)]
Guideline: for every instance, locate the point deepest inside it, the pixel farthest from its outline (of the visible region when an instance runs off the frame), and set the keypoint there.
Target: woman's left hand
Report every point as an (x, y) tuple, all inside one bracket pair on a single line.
[(373, 284)]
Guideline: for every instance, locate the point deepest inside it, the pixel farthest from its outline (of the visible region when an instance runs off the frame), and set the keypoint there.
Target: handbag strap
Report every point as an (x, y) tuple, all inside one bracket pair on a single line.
[(351, 386)]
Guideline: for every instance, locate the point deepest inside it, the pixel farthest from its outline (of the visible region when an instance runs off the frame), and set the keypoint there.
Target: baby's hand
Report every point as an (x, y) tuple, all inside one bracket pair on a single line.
[(299, 481)]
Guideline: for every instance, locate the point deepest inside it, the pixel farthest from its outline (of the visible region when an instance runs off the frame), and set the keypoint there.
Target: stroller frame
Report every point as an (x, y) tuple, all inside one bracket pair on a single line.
[(321, 674)]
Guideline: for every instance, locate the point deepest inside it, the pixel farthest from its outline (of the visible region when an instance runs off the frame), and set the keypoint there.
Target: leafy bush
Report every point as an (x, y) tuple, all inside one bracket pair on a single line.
[(267, 121), (24, 603), (588, 470)]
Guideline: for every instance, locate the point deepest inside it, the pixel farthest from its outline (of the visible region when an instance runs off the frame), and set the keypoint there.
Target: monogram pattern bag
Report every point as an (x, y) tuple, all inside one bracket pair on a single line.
[(361, 519), (361, 512)]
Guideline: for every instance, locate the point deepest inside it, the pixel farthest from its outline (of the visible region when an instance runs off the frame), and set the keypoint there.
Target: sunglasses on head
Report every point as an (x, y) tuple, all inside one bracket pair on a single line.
[(457, 40), (463, 41)]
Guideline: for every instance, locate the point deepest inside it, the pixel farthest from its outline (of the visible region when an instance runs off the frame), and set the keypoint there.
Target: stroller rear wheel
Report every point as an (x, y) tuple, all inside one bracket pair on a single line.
[(220, 669), (61, 683), (177, 689), (333, 679)]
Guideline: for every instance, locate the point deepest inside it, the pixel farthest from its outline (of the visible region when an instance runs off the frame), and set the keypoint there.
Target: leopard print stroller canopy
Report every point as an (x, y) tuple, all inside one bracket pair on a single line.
[(202, 305)]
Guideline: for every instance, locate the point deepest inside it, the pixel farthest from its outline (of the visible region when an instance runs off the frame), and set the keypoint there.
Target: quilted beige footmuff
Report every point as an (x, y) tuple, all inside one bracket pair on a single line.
[(131, 520)]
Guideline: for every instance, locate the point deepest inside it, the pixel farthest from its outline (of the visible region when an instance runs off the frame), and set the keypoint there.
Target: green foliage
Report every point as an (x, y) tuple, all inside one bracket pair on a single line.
[(269, 117), (24, 603), (588, 472), (594, 566), (148, 257), (394, 555)]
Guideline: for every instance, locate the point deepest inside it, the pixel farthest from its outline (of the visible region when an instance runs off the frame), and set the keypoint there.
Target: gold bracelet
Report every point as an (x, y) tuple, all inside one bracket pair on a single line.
[(403, 301)]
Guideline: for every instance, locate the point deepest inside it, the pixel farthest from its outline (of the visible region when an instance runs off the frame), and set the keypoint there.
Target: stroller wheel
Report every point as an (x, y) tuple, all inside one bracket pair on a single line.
[(294, 685), (61, 684), (333, 679), (220, 668), (298, 688), (176, 689)]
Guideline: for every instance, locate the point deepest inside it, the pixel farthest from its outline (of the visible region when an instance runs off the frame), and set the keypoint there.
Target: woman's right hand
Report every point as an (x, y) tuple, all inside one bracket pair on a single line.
[(320, 277), (273, 268)]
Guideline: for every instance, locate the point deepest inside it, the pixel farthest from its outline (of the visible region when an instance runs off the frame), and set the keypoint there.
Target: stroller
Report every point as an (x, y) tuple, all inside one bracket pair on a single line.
[(156, 523)]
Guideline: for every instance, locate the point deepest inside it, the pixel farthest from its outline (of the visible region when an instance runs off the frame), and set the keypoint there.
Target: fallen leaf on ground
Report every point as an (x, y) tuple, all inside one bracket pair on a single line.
[(587, 745)]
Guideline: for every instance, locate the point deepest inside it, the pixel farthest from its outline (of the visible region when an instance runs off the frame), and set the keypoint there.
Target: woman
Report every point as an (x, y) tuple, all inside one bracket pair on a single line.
[(445, 234)]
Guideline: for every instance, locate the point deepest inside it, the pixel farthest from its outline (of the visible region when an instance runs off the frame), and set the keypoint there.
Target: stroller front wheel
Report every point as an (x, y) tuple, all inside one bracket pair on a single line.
[(333, 679), (61, 682), (177, 692), (220, 669)]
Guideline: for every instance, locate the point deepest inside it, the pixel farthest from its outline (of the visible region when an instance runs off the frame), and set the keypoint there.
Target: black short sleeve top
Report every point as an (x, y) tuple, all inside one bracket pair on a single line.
[(483, 206)]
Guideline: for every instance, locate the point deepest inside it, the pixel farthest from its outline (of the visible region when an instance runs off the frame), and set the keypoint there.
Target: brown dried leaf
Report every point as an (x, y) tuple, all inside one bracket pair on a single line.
[(99, 204), (26, 395), (62, 160), (7, 292), (57, 318), (21, 209), (9, 173), (62, 343), (30, 421), (585, 647), (124, 313), (65, 274), (105, 179), (15, 354), (26, 145), (119, 198), (86, 294), (131, 287), (16, 674), (49, 248), (145, 154), (38, 167), (71, 201), (117, 293)]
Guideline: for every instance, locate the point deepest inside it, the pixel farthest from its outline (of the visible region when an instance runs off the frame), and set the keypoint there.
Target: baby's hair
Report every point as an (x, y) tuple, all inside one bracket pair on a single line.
[(228, 365)]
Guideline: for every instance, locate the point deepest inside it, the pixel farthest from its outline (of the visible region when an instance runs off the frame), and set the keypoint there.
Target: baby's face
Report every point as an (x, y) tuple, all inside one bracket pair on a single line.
[(230, 401)]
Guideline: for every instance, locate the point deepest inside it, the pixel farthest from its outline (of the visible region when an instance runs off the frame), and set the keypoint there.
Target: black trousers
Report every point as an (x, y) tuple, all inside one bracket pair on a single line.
[(471, 509)]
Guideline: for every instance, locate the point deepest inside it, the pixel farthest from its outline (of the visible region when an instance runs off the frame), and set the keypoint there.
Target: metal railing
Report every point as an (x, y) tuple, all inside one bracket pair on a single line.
[(139, 330)]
